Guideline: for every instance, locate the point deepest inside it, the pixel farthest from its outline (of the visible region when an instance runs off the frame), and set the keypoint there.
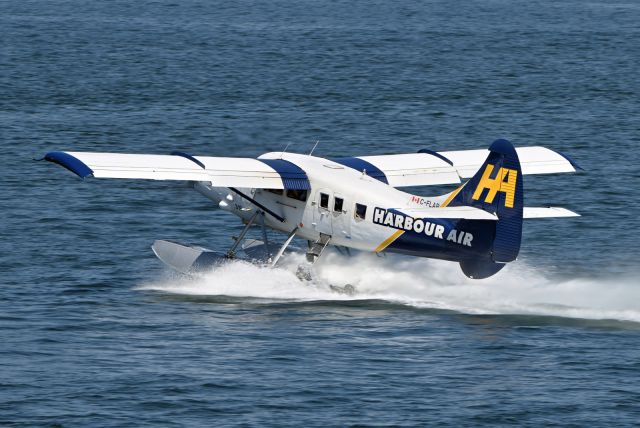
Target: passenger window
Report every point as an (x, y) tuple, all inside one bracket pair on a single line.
[(361, 211), (299, 195), (337, 204), (324, 201)]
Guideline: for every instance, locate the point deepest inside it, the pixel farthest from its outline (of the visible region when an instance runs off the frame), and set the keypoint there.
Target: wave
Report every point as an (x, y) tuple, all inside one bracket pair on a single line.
[(423, 283)]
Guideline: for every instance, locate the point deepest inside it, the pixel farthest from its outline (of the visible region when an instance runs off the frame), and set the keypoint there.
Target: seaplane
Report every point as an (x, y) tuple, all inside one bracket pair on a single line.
[(353, 203)]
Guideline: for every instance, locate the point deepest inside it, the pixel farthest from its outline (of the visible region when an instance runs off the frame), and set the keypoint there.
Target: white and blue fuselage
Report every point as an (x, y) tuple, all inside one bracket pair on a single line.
[(353, 208)]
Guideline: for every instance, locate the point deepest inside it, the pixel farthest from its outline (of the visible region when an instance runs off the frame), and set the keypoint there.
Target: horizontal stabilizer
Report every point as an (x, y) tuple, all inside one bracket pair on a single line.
[(461, 212), (535, 212)]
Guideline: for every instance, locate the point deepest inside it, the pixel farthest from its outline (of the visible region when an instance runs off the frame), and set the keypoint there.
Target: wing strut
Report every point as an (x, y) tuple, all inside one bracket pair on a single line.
[(259, 205), (231, 254), (284, 247)]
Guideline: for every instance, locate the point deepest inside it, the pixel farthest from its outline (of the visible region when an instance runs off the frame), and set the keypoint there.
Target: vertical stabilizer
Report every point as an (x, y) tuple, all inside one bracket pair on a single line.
[(496, 188)]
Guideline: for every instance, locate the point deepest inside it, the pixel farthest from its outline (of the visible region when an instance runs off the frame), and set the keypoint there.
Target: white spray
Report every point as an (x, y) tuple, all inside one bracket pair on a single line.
[(422, 283)]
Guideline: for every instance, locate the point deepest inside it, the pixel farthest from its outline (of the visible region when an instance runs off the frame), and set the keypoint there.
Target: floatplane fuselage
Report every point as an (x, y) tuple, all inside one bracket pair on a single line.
[(354, 209)]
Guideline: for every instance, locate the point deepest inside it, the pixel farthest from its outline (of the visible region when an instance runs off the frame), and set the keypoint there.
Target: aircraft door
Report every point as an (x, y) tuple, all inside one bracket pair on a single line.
[(341, 222), (322, 213)]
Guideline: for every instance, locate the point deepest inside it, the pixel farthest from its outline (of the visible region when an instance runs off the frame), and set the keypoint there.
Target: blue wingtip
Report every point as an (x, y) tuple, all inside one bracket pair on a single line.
[(571, 161), (69, 162)]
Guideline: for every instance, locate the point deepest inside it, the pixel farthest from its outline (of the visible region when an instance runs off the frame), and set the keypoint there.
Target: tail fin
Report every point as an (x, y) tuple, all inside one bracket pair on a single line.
[(496, 188)]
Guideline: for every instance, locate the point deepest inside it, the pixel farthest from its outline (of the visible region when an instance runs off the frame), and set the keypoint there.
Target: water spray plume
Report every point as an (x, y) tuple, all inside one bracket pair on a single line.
[(421, 283)]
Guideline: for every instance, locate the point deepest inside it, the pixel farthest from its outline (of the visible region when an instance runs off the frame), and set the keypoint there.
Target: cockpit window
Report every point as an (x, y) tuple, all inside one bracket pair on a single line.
[(337, 204), (361, 211), (299, 195)]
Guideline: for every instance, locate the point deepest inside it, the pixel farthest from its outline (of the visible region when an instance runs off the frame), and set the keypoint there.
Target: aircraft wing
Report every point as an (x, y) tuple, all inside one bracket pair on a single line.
[(533, 160), (429, 168), (220, 171)]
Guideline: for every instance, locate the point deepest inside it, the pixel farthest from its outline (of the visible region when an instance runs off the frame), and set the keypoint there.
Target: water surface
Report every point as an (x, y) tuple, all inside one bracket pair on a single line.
[(95, 332)]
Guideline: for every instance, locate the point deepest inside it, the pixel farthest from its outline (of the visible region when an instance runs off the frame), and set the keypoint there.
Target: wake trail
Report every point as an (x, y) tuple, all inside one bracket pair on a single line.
[(422, 283)]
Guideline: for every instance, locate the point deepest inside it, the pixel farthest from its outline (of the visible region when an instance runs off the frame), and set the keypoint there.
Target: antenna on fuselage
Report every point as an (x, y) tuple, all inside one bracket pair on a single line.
[(314, 147), (285, 149)]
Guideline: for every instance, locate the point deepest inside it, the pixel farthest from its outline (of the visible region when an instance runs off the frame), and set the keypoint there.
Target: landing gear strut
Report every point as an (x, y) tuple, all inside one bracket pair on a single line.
[(231, 254)]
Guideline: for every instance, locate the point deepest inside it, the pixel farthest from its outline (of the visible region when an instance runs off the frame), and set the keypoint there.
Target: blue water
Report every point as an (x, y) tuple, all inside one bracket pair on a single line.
[(96, 332)]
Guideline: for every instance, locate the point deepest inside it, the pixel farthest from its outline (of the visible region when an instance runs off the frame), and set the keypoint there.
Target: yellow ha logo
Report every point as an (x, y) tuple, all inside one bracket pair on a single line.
[(504, 182)]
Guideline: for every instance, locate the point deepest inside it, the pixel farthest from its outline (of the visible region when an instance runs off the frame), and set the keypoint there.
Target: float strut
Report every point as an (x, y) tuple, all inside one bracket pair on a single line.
[(265, 239), (231, 254)]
